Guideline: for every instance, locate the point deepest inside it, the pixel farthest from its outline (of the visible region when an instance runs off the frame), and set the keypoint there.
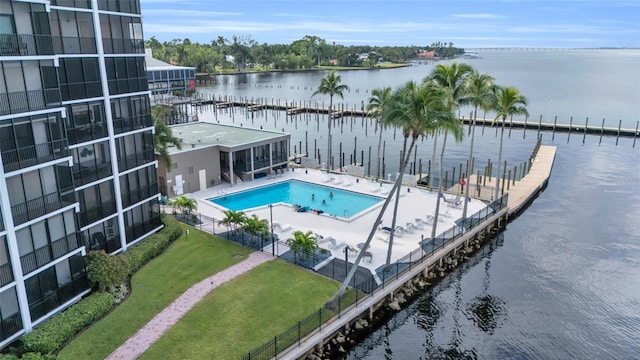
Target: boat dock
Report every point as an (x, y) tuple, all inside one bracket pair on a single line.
[(340, 111)]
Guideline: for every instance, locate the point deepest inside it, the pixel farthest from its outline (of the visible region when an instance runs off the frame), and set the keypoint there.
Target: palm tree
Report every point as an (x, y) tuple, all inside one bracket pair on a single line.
[(330, 85), (185, 204), (304, 243), (255, 226), (378, 102), (451, 79), (506, 101), (418, 110), (233, 219), (479, 94), (163, 136)]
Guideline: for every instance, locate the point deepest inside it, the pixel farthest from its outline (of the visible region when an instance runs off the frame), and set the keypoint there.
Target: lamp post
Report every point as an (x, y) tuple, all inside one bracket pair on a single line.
[(346, 261), (273, 243)]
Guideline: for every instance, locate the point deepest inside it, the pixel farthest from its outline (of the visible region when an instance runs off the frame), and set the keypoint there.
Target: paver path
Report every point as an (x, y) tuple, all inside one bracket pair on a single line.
[(142, 340)]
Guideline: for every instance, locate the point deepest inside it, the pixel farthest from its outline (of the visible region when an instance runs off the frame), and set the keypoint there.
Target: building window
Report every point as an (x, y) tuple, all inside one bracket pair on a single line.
[(91, 162), (10, 319), (79, 78), (85, 122), (96, 202), (104, 236), (134, 150)]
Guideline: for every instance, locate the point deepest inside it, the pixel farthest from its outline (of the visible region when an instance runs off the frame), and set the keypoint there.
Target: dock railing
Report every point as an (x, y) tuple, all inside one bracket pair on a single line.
[(352, 297)]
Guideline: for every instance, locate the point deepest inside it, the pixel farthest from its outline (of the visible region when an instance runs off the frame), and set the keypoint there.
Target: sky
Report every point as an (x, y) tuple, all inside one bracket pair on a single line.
[(466, 23)]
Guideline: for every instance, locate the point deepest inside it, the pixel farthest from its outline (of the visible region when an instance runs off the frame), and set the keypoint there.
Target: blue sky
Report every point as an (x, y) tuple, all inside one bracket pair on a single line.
[(470, 24)]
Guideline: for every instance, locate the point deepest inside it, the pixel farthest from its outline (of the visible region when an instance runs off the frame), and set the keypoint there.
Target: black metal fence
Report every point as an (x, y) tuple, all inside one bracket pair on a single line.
[(323, 316)]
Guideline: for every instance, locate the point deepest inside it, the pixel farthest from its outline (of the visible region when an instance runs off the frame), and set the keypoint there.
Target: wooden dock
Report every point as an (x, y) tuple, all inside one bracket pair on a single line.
[(297, 108)]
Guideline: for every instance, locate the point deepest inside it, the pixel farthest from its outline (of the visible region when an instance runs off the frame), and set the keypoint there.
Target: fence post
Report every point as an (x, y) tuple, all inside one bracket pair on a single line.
[(320, 320), (275, 346), (298, 333)]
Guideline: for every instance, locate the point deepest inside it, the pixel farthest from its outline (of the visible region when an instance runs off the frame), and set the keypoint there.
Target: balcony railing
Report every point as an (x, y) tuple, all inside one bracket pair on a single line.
[(121, 125), (10, 325), (83, 174), (74, 45), (97, 212), (139, 229), (40, 206), (23, 101), (131, 161), (45, 254), (34, 154), (25, 45), (6, 274), (123, 46), (54, 298), (136, 195)]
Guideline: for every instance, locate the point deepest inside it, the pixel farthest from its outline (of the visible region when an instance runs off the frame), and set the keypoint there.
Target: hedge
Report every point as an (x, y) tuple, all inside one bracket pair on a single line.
[(153, 246), (50, 337), (56, 331)]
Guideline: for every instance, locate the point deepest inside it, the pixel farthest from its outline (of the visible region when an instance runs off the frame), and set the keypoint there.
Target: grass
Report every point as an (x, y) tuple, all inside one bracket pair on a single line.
[(155, 286), (245, 313)]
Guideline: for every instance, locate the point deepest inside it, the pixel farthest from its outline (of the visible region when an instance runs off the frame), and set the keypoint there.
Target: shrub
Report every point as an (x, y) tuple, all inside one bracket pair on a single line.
[(105, 270), (151, 247), (8, 357), (52, 334), (50, 337)]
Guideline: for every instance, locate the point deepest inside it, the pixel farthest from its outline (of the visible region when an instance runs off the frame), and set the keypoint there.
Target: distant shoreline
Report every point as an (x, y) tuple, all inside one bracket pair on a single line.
[(321, 68)]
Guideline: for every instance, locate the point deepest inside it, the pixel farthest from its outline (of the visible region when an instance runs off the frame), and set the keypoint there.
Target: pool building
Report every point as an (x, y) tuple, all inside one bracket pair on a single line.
[(212, 154)]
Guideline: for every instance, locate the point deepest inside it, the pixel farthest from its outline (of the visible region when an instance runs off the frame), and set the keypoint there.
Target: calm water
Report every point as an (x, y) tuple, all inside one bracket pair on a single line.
[(316, 197), (563, 280)]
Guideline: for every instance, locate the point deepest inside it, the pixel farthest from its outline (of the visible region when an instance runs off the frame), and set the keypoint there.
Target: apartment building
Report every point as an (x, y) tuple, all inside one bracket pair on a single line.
[(78, 170)]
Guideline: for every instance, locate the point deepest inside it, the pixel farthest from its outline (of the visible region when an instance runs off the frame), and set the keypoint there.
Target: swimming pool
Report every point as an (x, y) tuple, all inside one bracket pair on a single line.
[(343, 203)]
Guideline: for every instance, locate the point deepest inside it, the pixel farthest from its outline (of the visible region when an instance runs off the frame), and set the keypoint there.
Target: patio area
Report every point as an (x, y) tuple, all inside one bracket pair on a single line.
[(336, 234)]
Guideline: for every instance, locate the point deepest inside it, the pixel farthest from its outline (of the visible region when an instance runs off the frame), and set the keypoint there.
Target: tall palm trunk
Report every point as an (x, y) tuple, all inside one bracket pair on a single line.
[(329, 121), (403, 165), (470, 165), (440, 189), (379, 144), (433, 160), (504, 118)]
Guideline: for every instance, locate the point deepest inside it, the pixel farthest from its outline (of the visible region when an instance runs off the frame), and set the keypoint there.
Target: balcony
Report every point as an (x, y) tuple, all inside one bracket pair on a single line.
[(121, 125), (97, 212), (138, 159), (23, 101), (46, 254), (136, 195), (139, 229), (40, 206), (25, 45), (84, 173), (34, 154), (123, 46), (74, 45), (6, 274), (10, 325), (54, 298)]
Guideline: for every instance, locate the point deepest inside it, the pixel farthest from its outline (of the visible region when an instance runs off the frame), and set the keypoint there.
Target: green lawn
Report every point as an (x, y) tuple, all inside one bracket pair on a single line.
[(156, 285), (244, 313)]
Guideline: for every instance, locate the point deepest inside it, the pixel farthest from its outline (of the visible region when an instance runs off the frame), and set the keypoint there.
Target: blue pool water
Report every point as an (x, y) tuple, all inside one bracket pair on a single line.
[(343, 203)]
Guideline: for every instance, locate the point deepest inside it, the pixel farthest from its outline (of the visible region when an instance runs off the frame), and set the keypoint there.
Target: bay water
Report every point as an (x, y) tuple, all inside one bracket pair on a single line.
[(562, 281)]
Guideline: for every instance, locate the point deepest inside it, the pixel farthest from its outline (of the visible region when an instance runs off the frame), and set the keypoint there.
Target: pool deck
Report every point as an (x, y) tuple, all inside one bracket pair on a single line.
[(418, 203)]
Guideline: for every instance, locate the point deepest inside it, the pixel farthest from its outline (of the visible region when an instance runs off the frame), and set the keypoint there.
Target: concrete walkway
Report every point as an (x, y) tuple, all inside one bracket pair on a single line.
[(142, 340)]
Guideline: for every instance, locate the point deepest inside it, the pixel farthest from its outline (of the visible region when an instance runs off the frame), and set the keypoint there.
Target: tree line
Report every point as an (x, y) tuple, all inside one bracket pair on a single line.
[(243, 52)]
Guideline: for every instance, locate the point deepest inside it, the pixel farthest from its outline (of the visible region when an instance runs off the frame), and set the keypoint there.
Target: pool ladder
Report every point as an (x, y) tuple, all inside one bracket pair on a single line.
[(345, 213)]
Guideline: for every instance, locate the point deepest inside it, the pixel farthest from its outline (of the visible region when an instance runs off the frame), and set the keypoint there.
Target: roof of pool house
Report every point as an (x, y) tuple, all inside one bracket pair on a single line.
[(203, 134)]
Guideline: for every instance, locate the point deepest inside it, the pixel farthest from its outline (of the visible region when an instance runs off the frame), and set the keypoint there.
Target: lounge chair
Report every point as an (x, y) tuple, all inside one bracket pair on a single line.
[(281, 227), (328, 179), (337, 181), (384, 239), (420, 224), (410, 227)]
